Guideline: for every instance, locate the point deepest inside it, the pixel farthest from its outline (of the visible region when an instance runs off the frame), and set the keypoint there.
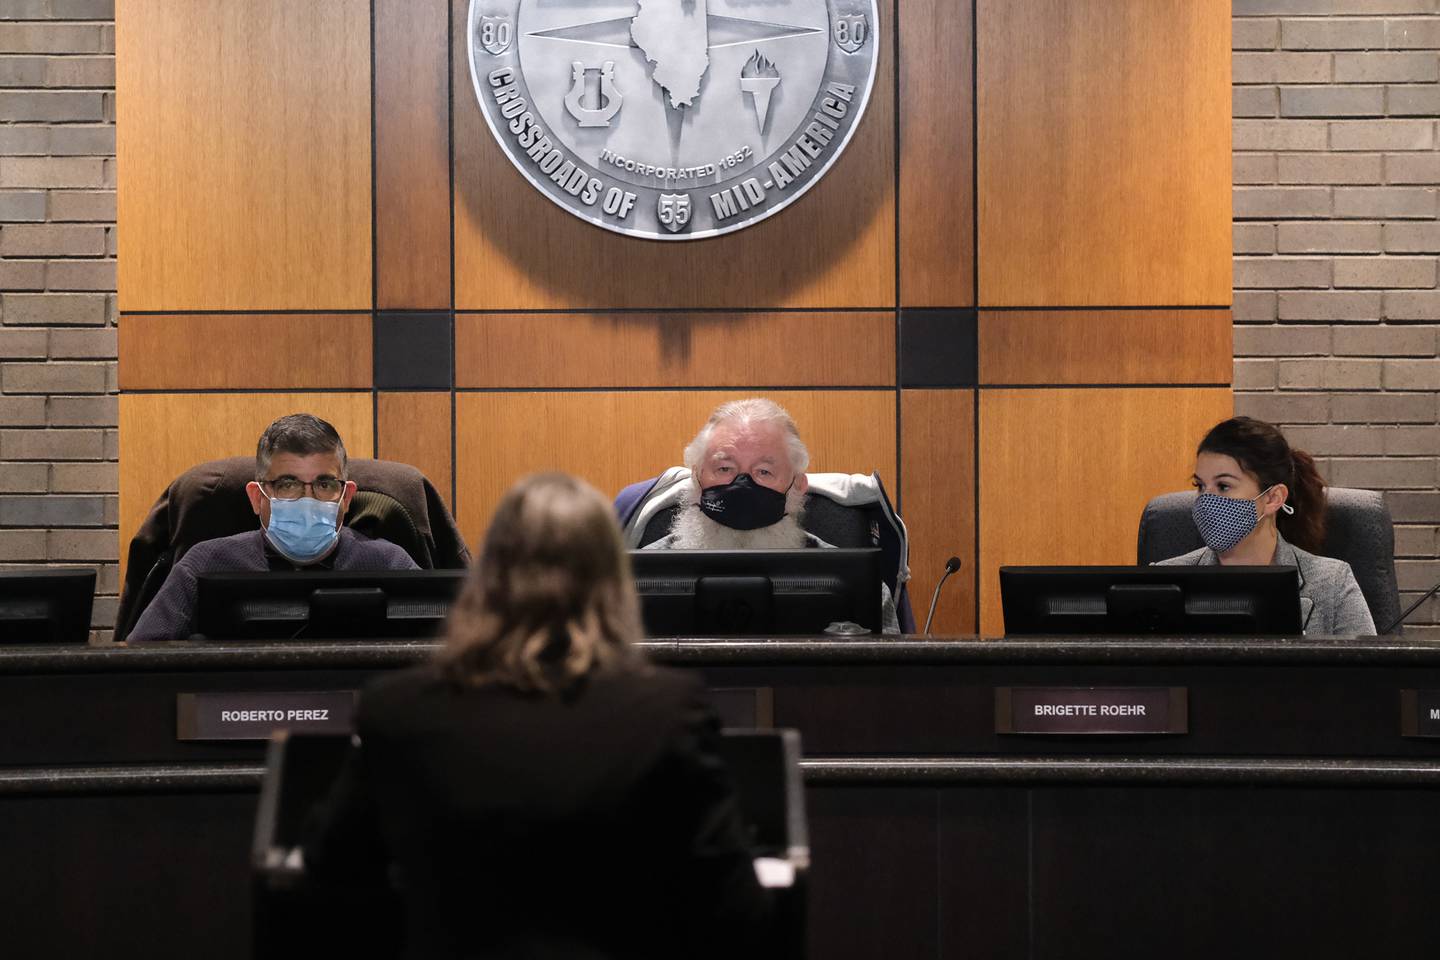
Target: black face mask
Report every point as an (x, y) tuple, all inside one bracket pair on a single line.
[(742, 504)]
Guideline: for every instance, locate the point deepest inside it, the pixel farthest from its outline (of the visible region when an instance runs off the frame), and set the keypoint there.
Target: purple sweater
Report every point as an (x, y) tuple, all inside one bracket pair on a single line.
[(171, 615)]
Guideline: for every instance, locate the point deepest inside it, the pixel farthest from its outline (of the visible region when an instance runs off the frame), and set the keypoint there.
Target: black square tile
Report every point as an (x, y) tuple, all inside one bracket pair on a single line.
[(937, 347), (412, 351)]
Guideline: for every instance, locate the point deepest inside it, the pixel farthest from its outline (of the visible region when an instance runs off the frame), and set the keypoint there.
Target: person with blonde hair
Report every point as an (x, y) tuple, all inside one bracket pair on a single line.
[(540, 789), (552, 598)]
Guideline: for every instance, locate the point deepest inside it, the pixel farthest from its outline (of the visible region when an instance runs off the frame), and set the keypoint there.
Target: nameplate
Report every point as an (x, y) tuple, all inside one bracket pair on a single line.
[(1094, 711), (1420, 713), (255, 716)]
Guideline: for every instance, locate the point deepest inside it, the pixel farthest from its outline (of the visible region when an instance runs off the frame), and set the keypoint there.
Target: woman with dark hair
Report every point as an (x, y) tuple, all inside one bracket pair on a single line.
[(1260, 501), (542, 791)]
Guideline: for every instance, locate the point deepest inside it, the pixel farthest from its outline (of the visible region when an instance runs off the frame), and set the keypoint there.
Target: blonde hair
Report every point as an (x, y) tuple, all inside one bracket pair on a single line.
[(551, 597), (753, 410)]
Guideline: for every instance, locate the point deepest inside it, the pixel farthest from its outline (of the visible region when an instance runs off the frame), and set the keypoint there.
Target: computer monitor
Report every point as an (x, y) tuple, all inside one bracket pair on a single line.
[(1169, 600), (756, 592), (325, 604), (46, 605)]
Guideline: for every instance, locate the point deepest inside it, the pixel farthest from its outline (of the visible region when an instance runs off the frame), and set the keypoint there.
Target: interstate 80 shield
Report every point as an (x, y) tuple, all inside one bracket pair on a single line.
[(673, 119)]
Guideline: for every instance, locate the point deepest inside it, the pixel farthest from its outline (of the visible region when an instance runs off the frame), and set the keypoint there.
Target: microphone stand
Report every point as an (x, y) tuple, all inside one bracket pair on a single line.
[(1398, 620), (951, 565)]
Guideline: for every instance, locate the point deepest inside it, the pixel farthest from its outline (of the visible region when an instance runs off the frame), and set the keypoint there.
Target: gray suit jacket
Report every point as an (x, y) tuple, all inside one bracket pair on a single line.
[(1331, 604)]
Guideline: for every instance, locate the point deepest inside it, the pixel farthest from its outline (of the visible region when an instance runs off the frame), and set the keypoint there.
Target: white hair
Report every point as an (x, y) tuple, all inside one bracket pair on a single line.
[(753, 410)]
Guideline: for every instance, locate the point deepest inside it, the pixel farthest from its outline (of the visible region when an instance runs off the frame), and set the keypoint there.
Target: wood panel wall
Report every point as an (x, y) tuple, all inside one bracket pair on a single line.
[(1010, 296), (243, 145)]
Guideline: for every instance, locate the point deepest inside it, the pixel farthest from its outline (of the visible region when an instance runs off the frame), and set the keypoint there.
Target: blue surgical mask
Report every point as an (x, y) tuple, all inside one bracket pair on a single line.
[(303, 530), (1225, 521)]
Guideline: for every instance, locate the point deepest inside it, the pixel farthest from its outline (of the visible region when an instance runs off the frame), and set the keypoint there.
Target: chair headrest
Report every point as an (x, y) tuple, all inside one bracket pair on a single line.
[(840, 524)]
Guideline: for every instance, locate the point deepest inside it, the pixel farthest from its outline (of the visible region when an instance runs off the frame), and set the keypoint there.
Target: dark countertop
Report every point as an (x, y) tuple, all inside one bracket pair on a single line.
[(1009, 771), (179, 656)]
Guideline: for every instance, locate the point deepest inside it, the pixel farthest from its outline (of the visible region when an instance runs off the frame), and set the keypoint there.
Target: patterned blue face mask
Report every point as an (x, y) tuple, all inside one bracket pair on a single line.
[(303, 530), (1224, 521)]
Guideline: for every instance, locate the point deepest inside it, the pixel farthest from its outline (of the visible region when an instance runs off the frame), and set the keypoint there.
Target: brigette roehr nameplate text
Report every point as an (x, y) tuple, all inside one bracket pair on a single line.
[(1106, 711), (255, 716)]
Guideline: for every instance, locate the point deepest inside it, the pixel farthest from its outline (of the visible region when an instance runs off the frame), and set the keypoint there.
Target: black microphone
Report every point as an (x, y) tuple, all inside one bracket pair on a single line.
[(951, 565), (1409, 610)]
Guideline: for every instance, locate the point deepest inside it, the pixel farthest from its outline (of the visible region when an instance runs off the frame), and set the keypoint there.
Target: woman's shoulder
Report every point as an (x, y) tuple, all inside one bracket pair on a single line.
[(632, 679), (398, 691), (1192, 559), (646, 680), (642, 696), (408, 679), (1335, 591), (1320, 570)]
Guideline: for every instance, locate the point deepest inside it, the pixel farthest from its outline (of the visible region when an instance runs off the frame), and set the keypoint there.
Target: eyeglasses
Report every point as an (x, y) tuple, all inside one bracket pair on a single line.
[(288, 488)]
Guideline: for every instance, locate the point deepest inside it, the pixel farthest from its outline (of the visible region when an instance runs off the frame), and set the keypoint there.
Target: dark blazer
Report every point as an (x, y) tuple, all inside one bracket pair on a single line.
[(600, 824)]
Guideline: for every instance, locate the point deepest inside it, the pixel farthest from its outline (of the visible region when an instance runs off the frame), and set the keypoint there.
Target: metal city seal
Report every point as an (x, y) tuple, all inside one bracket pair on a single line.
[(672, 119)]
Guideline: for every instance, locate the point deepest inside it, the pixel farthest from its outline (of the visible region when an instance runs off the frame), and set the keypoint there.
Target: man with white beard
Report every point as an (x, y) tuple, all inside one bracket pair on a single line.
[(747, 483), (746, 488)]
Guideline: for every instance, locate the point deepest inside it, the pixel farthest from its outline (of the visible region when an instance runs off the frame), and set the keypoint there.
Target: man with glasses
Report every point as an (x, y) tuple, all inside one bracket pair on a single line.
[(300, 493)]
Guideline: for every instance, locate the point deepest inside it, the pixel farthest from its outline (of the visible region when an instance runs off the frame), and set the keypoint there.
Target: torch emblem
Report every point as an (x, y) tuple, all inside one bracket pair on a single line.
[(759, 78)]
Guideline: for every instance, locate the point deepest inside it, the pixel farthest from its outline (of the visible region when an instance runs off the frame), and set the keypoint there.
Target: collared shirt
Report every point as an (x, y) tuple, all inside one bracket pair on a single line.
[(171, 615), (1331, 604)]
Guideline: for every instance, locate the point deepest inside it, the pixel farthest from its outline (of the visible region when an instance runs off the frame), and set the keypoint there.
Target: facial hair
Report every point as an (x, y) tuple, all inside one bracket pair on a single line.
[(694, 530)]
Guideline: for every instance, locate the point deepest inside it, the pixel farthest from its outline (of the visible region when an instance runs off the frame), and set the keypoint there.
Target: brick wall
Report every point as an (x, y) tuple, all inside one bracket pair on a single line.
[(57, 280), (1336, 235), (1337, 191)]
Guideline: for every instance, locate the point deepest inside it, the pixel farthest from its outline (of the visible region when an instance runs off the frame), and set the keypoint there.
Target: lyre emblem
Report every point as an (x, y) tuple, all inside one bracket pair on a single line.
[(610, 96)]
